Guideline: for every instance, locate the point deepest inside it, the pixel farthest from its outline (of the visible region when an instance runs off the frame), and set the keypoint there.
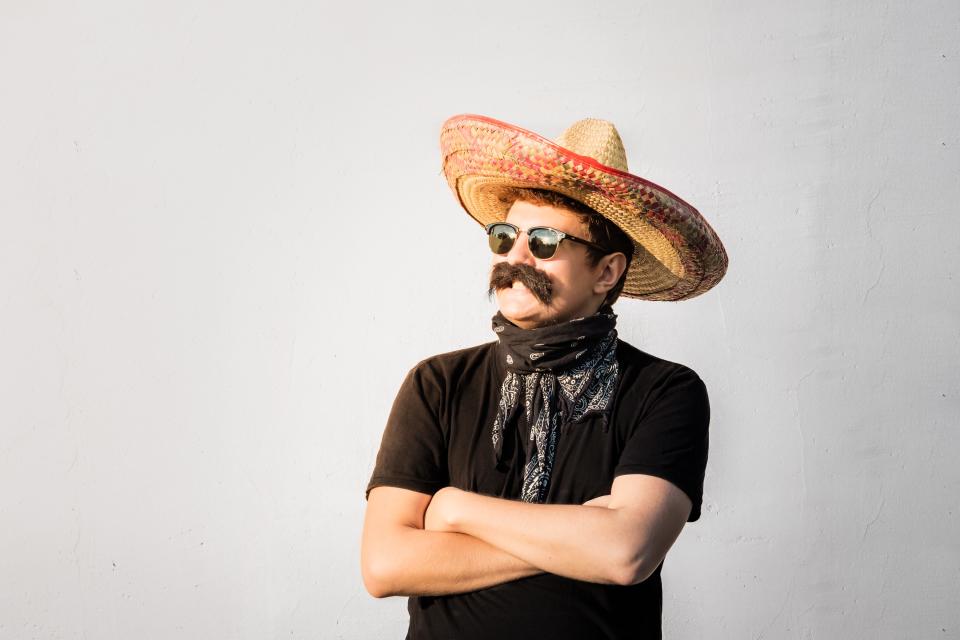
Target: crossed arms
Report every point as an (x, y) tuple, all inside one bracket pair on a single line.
[(459, 541)]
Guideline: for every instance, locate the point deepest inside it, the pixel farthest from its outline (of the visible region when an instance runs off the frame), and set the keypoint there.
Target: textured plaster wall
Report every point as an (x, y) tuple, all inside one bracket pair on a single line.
[(224, 239)]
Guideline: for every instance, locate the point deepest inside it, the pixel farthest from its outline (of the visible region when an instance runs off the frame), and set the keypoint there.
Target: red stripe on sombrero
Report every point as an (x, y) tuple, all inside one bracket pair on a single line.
[(564, 151)]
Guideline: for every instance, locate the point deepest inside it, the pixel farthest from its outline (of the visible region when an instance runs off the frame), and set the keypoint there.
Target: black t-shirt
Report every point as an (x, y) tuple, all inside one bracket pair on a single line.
[(439, 434)]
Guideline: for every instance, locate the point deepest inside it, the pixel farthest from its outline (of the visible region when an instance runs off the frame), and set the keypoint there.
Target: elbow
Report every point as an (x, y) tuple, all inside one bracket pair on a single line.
[(377, 577), (630, 574), (381, 570), (386, 563), (633, 568), (641, 572), (625, 576), (377, 589)]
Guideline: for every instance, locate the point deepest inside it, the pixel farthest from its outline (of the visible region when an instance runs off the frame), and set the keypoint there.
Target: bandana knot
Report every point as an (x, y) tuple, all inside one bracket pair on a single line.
[(562, 373)]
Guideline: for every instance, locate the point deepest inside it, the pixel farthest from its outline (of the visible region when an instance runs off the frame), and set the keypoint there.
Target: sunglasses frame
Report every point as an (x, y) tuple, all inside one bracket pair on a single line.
[(562, 235)]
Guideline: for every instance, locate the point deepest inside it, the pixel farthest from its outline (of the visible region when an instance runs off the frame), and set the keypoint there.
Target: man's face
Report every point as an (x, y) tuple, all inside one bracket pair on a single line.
[(573, 282)]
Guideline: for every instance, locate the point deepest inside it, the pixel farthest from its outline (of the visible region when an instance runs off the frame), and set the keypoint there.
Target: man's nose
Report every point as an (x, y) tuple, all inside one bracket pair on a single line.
[(520, 251)]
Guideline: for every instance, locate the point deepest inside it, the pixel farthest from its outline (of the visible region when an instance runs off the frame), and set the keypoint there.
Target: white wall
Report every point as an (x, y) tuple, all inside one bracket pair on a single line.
[(207, 303)]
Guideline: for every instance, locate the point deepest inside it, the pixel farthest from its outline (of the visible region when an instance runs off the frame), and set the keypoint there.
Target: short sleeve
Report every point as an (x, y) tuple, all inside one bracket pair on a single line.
[(412, 451), (670, 439)]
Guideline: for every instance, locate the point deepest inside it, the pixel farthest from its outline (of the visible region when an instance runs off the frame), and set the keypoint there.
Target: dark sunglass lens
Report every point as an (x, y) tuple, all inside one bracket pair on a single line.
[(543, 243), (501, 237)]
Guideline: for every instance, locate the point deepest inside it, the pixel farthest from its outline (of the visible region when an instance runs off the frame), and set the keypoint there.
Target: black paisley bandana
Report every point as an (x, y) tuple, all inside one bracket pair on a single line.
[(562, 373)]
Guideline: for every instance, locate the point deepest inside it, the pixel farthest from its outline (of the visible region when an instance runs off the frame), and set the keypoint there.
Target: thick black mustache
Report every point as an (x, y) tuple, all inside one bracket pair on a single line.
[(504, 274)]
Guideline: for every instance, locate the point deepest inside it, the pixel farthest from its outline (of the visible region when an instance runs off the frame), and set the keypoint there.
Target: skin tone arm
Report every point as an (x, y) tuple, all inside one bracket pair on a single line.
[(399, 557), (620, 539)]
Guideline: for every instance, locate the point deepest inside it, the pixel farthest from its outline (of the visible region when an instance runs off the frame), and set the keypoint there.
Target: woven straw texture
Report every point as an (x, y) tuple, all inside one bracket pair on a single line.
[(677, 255)]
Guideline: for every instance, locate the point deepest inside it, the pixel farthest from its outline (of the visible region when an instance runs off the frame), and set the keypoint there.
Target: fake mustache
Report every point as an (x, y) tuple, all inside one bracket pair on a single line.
[(504, 274)]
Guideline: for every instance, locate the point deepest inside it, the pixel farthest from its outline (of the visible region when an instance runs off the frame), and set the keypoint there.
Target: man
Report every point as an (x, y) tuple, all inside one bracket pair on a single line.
[(534, 484)]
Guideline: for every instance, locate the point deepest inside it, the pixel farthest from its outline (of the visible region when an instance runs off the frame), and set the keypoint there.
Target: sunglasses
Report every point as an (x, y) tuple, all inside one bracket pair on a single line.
[(543, 242)]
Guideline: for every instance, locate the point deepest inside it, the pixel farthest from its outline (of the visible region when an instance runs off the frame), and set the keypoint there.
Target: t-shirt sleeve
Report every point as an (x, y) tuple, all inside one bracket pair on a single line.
[(670, 440), (412, 451)]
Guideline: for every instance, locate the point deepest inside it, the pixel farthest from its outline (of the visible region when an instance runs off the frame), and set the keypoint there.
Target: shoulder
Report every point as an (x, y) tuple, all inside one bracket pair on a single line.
[(435, 383), (459, 359), (453, 366), (647, 378), (634, 361)]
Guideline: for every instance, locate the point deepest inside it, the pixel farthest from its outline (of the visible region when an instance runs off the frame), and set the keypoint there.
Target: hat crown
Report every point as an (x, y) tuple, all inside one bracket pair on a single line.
[(597, 139)]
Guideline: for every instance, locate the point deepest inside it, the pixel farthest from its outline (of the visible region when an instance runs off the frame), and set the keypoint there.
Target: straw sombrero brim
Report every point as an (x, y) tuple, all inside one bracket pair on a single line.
[(677, 255)]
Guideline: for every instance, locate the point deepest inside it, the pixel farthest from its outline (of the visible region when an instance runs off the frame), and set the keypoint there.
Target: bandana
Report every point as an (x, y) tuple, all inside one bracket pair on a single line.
[(562, 373)]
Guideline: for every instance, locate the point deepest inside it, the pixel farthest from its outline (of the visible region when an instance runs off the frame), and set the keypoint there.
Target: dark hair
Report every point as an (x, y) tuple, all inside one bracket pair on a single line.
[(602, 231)]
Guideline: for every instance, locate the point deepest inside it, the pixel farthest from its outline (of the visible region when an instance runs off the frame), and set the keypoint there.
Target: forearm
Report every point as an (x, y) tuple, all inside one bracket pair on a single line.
[(412, 561), (590, 543)]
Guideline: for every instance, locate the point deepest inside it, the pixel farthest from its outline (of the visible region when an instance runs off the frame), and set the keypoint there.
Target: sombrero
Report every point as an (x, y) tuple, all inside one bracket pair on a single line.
[(677, 255)]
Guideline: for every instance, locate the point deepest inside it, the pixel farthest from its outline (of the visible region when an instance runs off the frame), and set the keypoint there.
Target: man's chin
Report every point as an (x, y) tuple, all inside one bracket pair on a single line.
[(521, 307)]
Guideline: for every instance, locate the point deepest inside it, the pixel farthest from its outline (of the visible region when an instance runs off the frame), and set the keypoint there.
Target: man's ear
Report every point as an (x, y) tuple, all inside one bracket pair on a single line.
[(611, 268)]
